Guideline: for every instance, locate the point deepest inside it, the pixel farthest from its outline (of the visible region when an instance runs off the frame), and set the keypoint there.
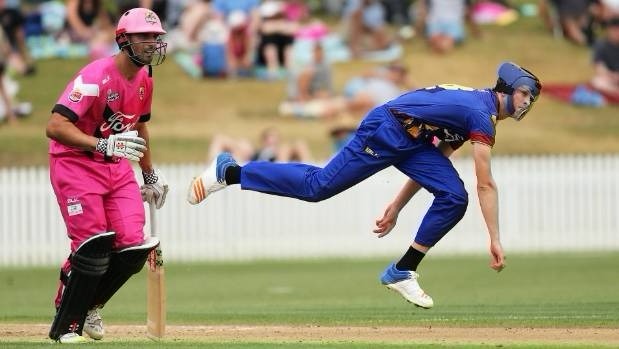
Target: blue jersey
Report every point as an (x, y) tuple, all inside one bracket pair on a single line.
[(454, 113)]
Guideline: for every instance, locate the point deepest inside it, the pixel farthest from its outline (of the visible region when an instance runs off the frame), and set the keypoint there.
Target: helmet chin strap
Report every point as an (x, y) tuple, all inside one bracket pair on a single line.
[(136, 62), (508, 101)]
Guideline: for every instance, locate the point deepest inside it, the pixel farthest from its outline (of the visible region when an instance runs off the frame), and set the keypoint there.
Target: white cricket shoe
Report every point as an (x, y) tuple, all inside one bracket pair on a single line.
[(72, 338), (211, 180), (93, 326), (405, 283)]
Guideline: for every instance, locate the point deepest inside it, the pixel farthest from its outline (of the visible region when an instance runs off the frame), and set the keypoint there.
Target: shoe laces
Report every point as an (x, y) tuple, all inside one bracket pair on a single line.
[(412, 285), (94, 318)]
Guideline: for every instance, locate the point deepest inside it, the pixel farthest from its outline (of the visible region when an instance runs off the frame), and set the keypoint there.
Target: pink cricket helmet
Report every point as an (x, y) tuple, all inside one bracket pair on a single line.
[(139, 20)]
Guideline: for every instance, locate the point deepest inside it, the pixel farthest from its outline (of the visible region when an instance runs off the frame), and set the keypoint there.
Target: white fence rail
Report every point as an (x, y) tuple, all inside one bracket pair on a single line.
[(549, 203)]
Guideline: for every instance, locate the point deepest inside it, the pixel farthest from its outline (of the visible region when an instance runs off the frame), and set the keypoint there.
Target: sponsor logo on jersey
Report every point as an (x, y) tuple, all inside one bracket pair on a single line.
[(112, 96), (141, 93), (447, 136), (117, 123)]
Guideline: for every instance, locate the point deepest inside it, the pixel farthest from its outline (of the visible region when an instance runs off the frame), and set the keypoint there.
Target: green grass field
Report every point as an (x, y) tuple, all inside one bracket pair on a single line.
[(535, 291)]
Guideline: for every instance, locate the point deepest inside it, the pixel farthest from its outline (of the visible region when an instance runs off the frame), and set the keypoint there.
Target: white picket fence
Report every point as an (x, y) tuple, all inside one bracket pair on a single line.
[(547, 203)]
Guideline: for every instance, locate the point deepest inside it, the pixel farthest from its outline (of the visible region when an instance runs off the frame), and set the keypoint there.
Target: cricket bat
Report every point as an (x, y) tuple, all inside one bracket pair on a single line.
[(156, 298)]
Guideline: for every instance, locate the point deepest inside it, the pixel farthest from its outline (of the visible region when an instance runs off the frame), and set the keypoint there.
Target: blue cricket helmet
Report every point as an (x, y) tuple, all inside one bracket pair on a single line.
[(512, 77)]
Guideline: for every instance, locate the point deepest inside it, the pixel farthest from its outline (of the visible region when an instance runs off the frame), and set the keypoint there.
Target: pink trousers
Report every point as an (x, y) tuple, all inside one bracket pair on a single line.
[(96, 197)]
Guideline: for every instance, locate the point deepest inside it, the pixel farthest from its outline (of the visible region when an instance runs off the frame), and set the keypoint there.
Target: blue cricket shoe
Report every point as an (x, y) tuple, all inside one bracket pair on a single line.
[(405, 283)]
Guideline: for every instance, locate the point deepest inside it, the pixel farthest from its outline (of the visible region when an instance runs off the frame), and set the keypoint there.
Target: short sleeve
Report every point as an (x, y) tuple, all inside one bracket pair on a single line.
[(78, 97), (483, 129)]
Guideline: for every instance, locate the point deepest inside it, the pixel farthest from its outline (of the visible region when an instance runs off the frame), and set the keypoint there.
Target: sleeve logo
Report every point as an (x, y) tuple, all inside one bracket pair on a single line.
[(75, 96), (80, 89)]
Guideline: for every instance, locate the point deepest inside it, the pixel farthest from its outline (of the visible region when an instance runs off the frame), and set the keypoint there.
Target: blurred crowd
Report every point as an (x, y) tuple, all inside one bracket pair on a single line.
[(298, 42)]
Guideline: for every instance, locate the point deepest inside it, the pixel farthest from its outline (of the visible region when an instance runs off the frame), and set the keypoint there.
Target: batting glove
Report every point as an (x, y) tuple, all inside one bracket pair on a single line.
[(155, 188), (123, 145)]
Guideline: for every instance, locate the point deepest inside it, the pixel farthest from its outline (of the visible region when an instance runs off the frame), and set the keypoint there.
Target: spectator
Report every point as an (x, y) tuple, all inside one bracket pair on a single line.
[(296, 10), (376, 87), (89, 22), (12, 22), (274, 150), (342, 129), (572, 18), (333, 8), (271, 148), (365, 19), (173, 11), (275, 39), (160, 7), (313, 81), (444, 23), (240, 147), (6, 104), (604, 10), (188, 35), (398, 13), (250, 7), (361, 93), (243, 37), (310, 89), (239, 45), (606, 61)]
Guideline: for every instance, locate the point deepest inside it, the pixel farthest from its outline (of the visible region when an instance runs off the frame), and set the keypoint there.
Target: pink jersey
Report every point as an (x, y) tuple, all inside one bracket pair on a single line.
[(101, 102)]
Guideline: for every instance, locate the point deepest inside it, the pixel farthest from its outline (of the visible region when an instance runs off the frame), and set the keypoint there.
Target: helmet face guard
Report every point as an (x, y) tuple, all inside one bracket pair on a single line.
[(157, 53), (511, 78), (141, 21)]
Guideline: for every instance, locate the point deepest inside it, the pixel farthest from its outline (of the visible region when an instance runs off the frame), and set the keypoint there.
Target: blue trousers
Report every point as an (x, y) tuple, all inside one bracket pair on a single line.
[(379, 142)]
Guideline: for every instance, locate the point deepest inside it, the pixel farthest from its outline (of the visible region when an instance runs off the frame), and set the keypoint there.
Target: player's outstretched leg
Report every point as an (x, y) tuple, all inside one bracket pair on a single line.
[(93, 325), (405, 283), (211, 180)]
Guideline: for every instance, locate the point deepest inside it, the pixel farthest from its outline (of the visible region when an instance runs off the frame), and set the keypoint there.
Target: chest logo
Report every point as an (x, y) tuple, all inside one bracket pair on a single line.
[(141, 93), (118, 123), (112, 96)]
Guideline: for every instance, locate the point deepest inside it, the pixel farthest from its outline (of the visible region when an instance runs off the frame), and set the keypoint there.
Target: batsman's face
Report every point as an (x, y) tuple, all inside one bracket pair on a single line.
[(148, 47)]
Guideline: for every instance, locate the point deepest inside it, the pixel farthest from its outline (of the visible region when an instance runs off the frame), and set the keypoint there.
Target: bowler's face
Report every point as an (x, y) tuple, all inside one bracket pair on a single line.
[(523, 100)]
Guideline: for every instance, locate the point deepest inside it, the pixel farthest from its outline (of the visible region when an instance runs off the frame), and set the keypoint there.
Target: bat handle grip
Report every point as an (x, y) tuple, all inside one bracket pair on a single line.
[(153, 221)]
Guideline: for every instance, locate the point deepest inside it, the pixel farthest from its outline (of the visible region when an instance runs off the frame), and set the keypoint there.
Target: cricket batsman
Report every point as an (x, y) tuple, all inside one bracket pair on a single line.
[(96, 128)]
